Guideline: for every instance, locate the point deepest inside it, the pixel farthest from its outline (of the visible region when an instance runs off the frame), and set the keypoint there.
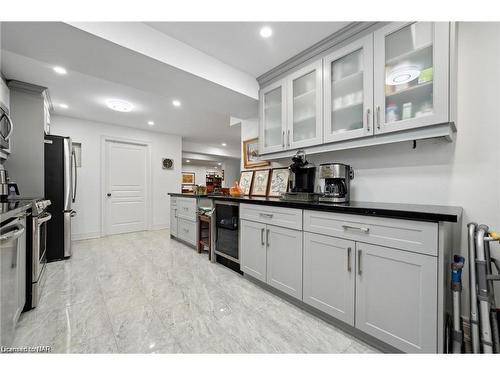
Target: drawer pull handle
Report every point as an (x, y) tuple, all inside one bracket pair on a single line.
[(362, 229), (349, 259), (359, 262), (269, 216), (186, 230)]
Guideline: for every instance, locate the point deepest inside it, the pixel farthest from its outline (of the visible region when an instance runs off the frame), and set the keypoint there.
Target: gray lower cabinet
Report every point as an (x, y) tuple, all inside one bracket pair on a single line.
[(329, 275), (272, 255), (284, 260), (253, 249), (396, 297)]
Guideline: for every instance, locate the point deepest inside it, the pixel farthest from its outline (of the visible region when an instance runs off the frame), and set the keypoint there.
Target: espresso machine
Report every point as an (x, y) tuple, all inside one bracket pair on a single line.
[(303, 176), (337, 178)]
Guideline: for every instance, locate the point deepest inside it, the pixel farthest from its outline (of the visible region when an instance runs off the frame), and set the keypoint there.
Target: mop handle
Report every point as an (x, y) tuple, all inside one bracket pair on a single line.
[(456, 272)]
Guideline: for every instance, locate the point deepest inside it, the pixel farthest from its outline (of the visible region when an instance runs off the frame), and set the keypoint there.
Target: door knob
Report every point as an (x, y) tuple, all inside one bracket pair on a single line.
[(109, 194)]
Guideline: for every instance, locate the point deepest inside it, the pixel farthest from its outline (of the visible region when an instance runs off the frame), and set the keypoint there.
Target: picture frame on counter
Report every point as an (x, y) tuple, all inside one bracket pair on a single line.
[(188, 178), (251, 154), (260, 183), (279, 182), (246, 179)]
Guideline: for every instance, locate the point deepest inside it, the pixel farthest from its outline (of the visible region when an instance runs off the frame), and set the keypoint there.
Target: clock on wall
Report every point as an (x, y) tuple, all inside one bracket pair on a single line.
[(167, 163)]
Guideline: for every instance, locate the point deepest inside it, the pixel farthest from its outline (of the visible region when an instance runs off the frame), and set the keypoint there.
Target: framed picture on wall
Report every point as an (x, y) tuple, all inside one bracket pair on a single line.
[(187, 178), (279, 182), (251, 154), (246, 178), (260, 183)]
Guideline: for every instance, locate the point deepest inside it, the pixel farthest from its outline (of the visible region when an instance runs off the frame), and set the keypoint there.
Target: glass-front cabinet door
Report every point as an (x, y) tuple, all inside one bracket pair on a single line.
[(272, 118), (304, 94), (411, 70), (348, 91)]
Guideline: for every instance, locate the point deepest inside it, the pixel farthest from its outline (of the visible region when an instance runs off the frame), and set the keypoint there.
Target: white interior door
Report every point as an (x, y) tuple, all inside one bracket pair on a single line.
[(126, 182)]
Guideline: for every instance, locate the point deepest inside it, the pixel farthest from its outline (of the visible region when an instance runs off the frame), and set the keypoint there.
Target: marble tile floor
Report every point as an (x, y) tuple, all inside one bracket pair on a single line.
[(145, 293)]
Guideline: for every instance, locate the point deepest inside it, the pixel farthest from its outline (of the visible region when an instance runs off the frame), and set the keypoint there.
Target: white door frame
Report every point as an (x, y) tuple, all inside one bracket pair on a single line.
[(149, 181)]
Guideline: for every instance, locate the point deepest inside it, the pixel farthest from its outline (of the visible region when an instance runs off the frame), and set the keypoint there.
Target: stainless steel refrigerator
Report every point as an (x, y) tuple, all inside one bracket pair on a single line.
[(60, 187)]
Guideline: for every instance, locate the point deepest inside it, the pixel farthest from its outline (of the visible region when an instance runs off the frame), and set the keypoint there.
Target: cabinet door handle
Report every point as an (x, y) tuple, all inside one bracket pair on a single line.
[(368, 112), (362, 229), (269, 216), (359, 262), (283, 139), (267, 237), (378, 117), (262, 237), (288, 137), (349, 259)]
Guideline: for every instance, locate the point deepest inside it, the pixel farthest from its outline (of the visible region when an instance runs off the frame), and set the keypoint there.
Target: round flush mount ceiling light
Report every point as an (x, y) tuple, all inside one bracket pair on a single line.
[(63, 106), (176, 103), (224, 144), (119, 105), (151, 123), (266, 32), (402, 74), (219, 163), (60, 70)]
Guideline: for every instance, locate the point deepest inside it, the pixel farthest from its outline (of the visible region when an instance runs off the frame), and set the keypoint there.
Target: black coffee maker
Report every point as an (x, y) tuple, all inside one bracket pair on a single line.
[(303, 177)]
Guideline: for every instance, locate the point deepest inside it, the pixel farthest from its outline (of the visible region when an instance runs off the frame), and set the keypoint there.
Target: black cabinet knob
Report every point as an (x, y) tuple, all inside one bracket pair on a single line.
[(109, 194)]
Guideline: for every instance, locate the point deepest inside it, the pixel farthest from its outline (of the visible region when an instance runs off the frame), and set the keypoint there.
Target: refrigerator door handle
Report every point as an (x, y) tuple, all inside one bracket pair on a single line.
[(75, 174)]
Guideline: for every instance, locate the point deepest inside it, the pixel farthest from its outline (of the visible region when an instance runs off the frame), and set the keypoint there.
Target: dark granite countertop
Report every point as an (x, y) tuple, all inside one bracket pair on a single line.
[(15, 206), (183, 195), (419, 212)]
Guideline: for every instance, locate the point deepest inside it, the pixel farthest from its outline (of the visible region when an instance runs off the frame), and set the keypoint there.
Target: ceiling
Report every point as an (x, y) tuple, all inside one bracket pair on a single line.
[(99, 69), (240, 45)]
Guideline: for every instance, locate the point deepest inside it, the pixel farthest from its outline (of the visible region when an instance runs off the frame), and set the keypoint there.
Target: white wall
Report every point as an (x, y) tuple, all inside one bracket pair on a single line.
[(231, 171), (88, 202), (465, 173)]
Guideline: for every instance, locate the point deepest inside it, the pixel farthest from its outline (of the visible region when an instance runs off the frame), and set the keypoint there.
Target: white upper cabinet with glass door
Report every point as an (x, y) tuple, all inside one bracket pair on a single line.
[(348, 91), (304, 93), (272, 118), (411, 70)]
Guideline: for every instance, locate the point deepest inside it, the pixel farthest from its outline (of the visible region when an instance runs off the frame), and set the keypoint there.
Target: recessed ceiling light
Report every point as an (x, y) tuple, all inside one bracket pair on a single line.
[(266, 32), (119, 105), (176, 103), (224, 144), (60, 70), (188, 161), (219, 163), (63, 106), (151, 123)]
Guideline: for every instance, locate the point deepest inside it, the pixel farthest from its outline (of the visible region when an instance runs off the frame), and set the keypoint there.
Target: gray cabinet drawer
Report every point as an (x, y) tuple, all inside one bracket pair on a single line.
[(417, 236), (186, 208), (279, 216), (186, 230)]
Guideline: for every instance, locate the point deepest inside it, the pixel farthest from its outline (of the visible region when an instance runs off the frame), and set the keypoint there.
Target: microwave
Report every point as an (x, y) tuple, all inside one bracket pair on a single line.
[(6, 127)]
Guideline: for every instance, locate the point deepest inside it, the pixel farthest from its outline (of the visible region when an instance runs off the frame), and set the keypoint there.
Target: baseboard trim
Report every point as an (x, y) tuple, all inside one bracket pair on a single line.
[(85, 236), (159, 226)]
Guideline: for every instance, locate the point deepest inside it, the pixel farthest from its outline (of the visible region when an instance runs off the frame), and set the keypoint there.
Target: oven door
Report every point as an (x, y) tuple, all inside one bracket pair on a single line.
[(39, 245)]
